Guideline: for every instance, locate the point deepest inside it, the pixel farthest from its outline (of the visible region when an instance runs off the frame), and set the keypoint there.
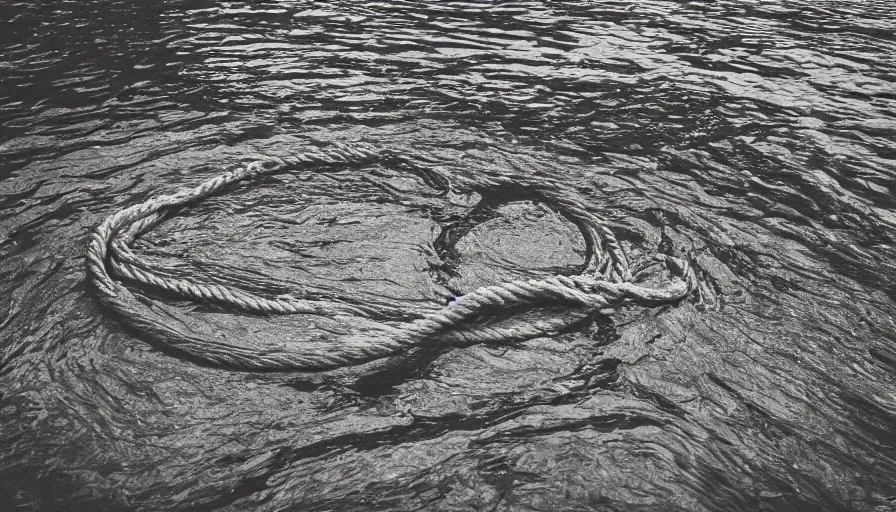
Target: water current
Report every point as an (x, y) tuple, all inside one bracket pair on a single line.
[(758, 138)]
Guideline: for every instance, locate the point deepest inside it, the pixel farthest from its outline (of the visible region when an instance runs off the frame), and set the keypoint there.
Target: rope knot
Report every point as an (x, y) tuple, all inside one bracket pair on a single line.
[(605, 280)]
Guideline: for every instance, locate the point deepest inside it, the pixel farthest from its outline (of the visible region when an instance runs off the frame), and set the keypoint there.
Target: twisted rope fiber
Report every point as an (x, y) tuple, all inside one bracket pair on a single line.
[(604, 282)]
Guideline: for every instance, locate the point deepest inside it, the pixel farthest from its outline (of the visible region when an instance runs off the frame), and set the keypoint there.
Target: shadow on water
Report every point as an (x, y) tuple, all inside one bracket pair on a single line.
[(757, 138)]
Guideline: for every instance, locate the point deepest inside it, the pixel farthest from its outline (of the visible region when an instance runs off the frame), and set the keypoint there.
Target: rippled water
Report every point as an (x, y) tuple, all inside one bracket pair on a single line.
[(757, 137)]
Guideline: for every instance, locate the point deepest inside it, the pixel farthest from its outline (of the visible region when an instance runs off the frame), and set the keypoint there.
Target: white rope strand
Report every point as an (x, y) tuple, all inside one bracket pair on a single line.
[(605, 281)]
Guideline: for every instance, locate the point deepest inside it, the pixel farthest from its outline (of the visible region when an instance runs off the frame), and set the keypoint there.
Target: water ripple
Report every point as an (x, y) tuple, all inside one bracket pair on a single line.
[(755, 137)]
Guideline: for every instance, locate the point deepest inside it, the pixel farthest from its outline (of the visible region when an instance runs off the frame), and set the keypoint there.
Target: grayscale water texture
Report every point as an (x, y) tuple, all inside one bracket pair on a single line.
[(757, 137)]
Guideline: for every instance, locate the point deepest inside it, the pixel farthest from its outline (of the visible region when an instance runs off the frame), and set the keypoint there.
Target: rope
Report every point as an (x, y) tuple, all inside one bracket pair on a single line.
[(604, 282)]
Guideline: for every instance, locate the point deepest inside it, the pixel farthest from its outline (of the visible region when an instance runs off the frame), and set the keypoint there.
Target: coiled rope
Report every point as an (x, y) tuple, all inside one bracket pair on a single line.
[(604, 282)]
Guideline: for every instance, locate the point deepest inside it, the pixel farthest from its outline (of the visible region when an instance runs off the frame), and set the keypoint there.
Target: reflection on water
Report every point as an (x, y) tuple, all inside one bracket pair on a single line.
[(757, 137)]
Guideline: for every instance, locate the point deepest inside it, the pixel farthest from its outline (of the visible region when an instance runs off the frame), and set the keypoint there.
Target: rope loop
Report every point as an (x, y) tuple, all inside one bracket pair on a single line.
[(606, 279)]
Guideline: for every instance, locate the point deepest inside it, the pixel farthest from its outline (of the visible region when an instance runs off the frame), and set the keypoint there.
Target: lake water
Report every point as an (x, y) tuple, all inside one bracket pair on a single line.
[(756, 137)]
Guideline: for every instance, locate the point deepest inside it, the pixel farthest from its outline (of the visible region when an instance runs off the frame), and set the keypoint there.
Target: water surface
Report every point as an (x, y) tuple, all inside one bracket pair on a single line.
[(755, 137)]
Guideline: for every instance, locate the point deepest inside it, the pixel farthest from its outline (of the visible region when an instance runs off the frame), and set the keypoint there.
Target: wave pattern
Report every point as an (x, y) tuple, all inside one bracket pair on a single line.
[(755, 137)]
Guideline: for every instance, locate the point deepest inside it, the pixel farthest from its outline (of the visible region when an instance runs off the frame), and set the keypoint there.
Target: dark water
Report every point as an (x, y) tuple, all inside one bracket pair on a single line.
[(758, 137)]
